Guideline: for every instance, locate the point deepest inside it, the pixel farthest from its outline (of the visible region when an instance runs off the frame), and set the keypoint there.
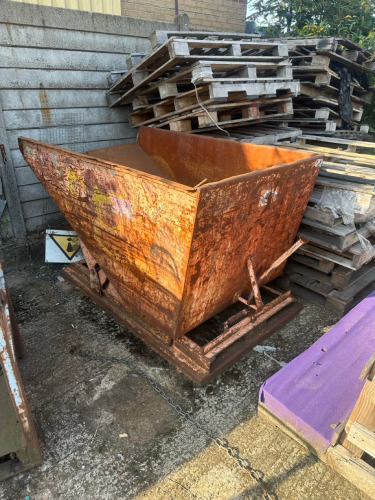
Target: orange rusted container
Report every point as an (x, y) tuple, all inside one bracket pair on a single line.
[(172, 218)]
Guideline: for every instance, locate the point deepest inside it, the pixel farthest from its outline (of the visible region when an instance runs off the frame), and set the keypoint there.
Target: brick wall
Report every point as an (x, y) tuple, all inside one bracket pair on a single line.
[(211, 15)]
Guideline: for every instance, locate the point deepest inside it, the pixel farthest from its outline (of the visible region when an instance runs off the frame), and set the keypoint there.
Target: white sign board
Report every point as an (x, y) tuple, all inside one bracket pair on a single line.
[(62, 246)]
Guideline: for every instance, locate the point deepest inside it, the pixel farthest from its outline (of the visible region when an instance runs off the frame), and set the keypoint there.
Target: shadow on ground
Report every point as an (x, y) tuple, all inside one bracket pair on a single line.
[(107, 434)]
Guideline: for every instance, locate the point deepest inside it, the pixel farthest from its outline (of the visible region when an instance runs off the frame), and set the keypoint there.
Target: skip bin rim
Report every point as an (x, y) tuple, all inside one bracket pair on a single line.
[(175, 184)]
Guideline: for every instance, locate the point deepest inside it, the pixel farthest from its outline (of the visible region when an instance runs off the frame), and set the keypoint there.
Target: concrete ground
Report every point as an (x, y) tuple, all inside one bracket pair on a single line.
[(106, 434)]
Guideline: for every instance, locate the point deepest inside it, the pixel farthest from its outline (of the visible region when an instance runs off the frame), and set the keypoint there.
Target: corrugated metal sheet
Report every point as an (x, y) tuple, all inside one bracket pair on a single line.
[(102, 6)]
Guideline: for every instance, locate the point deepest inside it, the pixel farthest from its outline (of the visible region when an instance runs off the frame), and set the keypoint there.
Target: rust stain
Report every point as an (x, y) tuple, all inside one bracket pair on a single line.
[(9, 30), (44, 105), (176, 254)]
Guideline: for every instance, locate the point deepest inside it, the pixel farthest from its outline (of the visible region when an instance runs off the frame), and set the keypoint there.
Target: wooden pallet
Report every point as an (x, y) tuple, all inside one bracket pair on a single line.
[(208, 71), (338, 290), (314, 62), (313, 124), (329, 95), (355, 135), (159, 37), (227, 116), (316, 97), (170, 110), (337, 237), (217, 90), (319, 75), (334, 269), (327, 218), (345, 144), (315, 262), (176, 53), (337, 48), (337, 155), (322, 294), (301, 111), (338, 278), (353, 258), (307, 108)]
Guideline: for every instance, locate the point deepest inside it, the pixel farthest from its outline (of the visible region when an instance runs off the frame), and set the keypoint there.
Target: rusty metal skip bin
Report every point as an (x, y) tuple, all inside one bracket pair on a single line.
[(177, 227)]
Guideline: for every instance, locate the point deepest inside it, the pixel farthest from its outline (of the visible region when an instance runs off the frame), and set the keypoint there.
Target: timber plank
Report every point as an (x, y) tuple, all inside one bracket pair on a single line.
[(353, 469), (320, 264), (293, 267), (311, 284), (362, 438), (322, 253), (341, 277), (332, 241), (363, 413), (339, 300), (326, 218), (350, 144)]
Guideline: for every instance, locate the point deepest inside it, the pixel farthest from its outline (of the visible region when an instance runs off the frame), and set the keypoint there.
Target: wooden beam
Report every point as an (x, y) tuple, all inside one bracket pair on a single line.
[(363, 413), (363, 438)]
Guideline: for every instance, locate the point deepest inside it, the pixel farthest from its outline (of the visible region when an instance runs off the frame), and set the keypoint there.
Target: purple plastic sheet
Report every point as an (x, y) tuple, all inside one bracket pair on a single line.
[(316, 391)]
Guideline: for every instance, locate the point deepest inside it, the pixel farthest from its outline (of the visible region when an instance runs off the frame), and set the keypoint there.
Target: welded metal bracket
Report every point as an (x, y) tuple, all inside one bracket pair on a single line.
[(255, 314), (256, 284)]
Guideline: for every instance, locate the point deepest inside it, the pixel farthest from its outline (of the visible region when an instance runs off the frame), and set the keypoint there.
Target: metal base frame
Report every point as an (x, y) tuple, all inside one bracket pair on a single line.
[(242, 331)]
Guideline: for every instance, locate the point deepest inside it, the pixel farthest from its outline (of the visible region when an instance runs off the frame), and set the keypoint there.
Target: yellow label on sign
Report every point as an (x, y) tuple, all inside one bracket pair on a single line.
[(69, 245)]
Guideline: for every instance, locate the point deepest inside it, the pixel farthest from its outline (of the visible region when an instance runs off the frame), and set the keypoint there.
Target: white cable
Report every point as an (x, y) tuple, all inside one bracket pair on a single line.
[(264, 349), (208, 113)]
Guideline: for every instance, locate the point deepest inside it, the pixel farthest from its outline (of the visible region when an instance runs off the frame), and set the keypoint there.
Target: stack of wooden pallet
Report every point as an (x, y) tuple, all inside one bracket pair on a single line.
[(197, 81), (337, 267), (323, 66)]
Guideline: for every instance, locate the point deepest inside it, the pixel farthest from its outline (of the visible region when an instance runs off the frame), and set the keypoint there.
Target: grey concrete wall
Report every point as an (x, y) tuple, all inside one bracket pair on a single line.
[(53, 65)]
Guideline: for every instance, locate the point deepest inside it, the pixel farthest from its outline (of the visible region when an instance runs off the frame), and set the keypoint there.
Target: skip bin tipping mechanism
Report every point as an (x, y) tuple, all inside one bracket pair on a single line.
[(176, 228)]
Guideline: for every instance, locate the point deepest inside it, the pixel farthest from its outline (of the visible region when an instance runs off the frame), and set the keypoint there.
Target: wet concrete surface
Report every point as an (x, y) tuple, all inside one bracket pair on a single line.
[(107, 434)]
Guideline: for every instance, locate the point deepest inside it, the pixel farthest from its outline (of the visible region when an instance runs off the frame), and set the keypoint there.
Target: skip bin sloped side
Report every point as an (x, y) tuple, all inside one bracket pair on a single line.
[(136, 226), (256, 214)]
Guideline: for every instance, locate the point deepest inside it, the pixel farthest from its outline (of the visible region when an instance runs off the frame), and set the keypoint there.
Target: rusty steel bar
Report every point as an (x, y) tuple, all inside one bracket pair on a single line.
[(254, 285), (272, 307), (248, 324), (276, 264), (281, 259)]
